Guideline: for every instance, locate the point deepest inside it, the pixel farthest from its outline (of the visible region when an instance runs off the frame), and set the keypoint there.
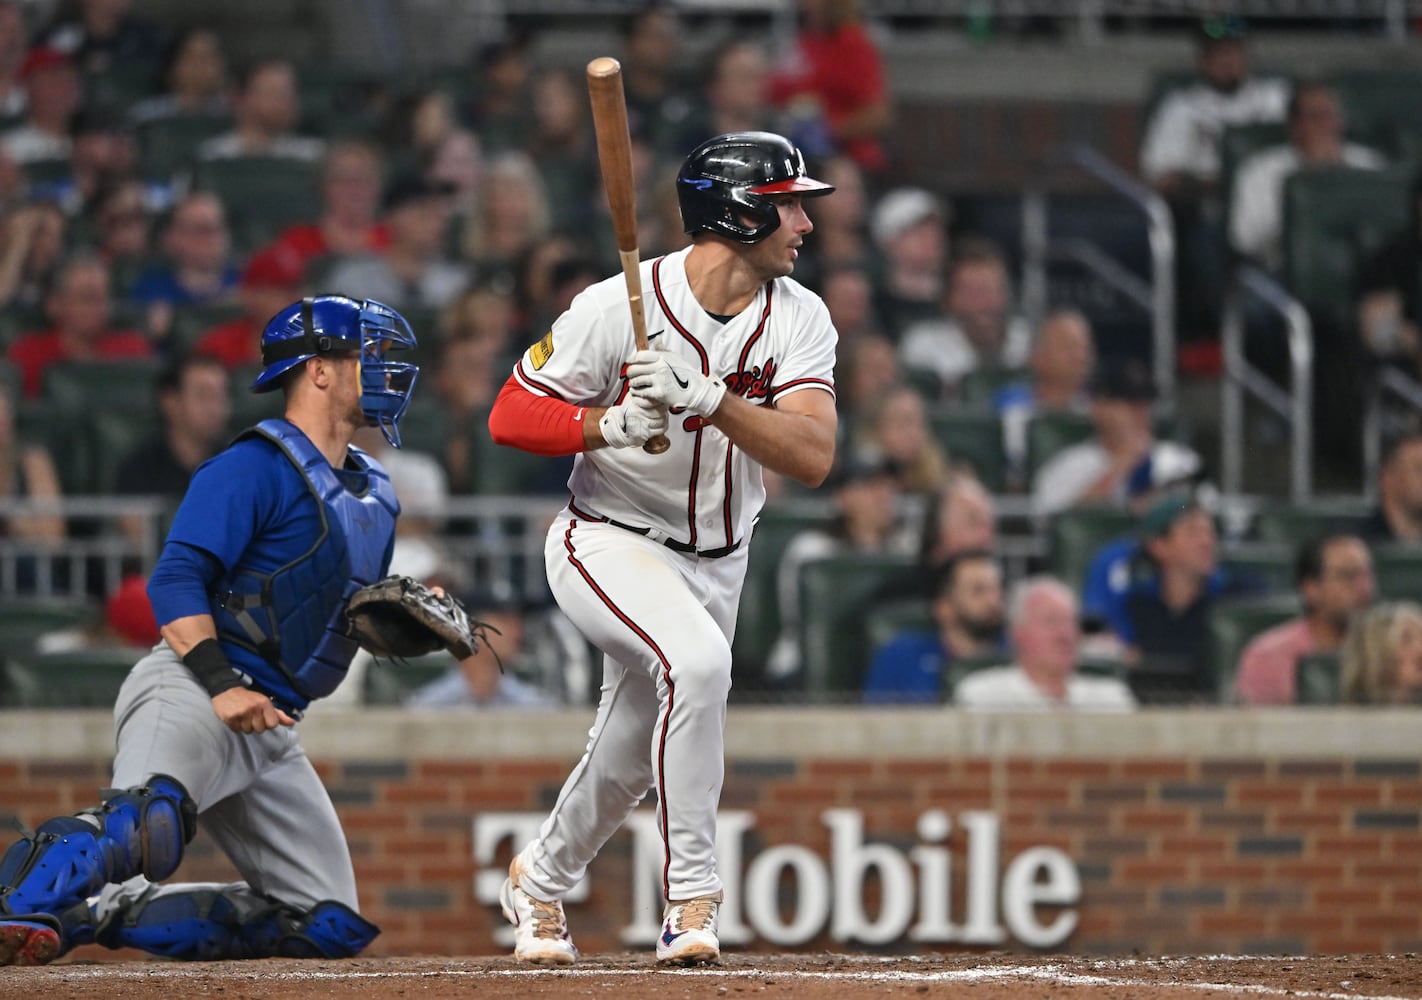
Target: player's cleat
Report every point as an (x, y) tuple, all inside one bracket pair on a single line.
[(689, 932), (540, 928), (28, 941)]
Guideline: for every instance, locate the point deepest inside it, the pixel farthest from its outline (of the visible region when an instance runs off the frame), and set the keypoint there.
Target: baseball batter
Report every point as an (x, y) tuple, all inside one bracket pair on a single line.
[(648, 557), (272, 538)]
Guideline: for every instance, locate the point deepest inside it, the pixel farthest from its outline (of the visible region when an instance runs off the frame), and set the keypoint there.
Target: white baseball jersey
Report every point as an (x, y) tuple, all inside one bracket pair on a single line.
[(702, 491)]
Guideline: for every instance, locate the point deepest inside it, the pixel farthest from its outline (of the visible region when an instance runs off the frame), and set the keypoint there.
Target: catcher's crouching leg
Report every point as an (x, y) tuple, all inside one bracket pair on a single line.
[(213, 922), (137, 831)]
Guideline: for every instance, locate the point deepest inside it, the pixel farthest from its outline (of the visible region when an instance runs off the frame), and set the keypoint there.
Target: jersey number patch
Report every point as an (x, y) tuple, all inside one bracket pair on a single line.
[(542, 351)]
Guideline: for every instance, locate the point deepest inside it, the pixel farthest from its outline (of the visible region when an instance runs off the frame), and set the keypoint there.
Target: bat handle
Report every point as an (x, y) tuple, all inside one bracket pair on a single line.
[(657, 445)]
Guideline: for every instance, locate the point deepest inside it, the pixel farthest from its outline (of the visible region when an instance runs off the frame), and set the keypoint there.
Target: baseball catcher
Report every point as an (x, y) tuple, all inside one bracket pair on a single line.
[(401, 617)]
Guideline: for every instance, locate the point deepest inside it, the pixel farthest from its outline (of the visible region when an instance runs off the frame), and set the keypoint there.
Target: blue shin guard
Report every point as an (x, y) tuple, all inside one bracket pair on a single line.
[(137, 831), (208, 923)]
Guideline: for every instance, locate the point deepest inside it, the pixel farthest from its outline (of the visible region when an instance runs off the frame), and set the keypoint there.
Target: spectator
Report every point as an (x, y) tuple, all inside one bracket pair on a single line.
[(514, 215), (194, 80), (842, 233), (122, 224), (27, 472), (471, 366), (961, 518), (867, 521), (562, 145), (351, 179), (968, 615), (833, 78), (1046, 637), (866, 368), (979, 327), (897, 431), (105, 35), (1398, 514), (1389, 296), (1334, 577), (1122, 462), (12, 57), (198, 249), (1315, 119), (458, 161), (271, 280), (80, 307), (909, 227), (268, 109), (735, 93), (849, 297), (1164, 615), (126, 620), (194, 406), (413, 272), (501, 110), (506, 670), (1382, 655), (54, 91), (104, 154), (1059, 370), (658, 106), (1180, 158), (32, 246)]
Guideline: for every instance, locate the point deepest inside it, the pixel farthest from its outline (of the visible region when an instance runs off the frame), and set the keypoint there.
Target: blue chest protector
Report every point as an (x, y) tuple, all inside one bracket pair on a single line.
[(294, 617)]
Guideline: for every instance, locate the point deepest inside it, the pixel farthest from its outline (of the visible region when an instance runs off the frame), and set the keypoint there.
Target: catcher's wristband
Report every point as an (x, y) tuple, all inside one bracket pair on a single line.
[(209, 665)]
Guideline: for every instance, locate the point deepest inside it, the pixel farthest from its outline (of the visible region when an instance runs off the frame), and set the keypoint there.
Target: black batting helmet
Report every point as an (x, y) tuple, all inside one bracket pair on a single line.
[(722, 182)]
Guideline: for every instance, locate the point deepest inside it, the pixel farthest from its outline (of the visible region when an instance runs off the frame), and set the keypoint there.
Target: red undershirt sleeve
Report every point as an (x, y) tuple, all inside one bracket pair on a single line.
[(538, 424)]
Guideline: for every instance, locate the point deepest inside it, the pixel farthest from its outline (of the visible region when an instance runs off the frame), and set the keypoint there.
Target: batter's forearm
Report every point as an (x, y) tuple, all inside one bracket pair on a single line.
[(798, 445)]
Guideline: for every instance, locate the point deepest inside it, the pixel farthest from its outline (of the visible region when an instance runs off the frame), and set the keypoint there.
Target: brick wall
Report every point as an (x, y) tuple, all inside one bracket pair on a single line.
[(1270, 852)]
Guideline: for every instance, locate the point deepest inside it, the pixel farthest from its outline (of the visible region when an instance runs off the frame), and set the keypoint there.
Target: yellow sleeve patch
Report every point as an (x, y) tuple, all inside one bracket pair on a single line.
[(542, 351)]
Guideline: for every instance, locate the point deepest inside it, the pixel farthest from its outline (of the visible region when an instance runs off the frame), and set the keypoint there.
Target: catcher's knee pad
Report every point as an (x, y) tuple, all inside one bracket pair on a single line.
[(69, 858), (148, 826)]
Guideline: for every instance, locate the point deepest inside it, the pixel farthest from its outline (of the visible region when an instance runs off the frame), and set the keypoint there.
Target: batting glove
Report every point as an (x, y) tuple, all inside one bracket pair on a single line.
[(671, 380), (632, 424)]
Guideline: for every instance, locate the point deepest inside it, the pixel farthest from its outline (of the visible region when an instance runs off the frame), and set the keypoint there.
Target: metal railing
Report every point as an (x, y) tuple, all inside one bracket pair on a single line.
[(1156, 297), (1387, 382), (1239, 377)]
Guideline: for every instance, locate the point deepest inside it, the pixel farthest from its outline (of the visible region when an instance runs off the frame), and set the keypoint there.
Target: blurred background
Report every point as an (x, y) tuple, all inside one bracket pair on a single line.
[(1127, 295)]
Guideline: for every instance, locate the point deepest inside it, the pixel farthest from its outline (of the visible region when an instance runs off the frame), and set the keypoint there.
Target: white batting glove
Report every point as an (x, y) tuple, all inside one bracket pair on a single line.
[(632, 424), (671, 380)]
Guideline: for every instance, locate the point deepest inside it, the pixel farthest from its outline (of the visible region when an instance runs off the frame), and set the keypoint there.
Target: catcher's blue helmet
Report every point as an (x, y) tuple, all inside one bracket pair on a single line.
[(729, 179), (330, 324)]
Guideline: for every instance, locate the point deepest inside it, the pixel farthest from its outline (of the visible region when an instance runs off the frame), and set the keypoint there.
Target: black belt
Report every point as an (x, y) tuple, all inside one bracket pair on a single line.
[(670, 543)]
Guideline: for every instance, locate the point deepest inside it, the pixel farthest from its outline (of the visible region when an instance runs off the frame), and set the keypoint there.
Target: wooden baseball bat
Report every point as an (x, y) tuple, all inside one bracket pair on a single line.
[(614, 156)]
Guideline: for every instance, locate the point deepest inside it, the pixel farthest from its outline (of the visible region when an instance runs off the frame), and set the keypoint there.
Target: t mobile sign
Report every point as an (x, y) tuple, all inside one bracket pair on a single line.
[(999, 899)]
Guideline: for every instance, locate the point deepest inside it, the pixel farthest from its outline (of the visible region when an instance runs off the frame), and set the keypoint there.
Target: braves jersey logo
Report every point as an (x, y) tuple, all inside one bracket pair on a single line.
[(753, 384)]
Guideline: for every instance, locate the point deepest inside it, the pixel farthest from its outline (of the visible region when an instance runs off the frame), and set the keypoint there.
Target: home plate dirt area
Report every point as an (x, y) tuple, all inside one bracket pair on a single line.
[(633, 976)]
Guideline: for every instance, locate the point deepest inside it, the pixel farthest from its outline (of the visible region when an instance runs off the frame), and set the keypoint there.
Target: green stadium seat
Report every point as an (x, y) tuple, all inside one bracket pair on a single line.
[(24, 619), (1271, 563), (758, 621), (973, 437), (1318, 680), (387, 682), (121, 384), (980, 386), (1398, 569), (883, 622), (1293, 524), (263, 195), (1334, 218), (1049, 433), (167, 145), (112, 435), (833, 644), (190, 322), (43, 173), (88, 678), (1232, 624), (1380, 106), (1074, 537)]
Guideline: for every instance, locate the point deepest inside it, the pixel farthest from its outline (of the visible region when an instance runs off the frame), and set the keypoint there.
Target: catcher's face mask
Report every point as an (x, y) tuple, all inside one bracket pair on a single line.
[(385, 386)]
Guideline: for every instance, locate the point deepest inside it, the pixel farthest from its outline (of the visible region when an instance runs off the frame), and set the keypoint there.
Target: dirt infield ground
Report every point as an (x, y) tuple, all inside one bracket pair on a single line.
[(773, 977)]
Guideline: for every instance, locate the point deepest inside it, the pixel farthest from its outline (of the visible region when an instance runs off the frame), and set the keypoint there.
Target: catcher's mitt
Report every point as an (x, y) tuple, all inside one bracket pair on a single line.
[(401, 617)]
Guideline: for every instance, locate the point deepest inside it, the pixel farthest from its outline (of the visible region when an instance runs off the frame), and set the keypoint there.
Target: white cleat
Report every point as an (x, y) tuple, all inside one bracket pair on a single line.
[(689, 932), (540, 929)]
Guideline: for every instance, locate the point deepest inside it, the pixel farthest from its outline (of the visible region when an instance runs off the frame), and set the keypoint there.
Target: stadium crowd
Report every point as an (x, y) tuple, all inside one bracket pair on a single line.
[(150, 223)]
